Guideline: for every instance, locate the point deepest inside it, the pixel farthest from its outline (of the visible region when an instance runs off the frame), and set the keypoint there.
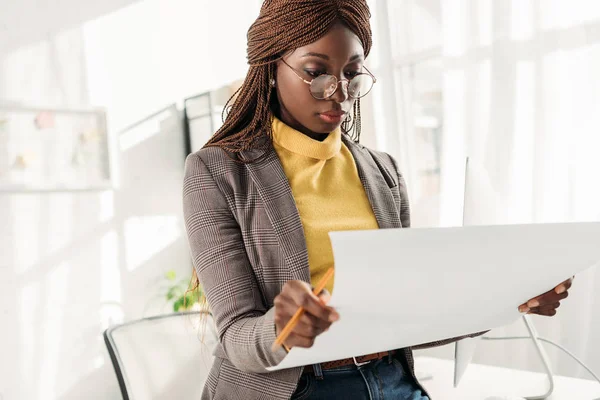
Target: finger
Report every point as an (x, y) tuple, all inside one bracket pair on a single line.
[(535, 301), (547, 298), (548, 307), (548, 313), (524, 308), (317, 322), (285, 306), (550, 297), (563, 287), (324, 296), (533, 311), (295, 340), (304, 298), (310, 327)]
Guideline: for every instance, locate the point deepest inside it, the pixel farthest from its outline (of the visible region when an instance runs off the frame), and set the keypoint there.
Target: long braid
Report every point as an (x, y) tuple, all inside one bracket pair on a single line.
[(282, 26)]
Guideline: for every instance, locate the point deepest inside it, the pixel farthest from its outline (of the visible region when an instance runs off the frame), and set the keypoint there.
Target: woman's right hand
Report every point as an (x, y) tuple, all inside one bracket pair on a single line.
[(316, 319)]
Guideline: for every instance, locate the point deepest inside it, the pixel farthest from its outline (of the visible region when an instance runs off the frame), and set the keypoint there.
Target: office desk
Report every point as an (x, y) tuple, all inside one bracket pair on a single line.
[(481, 381)]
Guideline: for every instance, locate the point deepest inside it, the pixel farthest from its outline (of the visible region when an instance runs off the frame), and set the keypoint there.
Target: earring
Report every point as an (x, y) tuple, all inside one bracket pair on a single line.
[(272, 82)]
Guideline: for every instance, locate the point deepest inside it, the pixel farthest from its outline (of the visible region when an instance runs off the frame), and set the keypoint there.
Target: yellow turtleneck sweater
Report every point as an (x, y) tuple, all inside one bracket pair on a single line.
[(327, 190)]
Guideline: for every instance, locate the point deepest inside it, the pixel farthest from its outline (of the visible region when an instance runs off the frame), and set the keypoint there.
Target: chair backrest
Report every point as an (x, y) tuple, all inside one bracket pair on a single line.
[(164, 357)]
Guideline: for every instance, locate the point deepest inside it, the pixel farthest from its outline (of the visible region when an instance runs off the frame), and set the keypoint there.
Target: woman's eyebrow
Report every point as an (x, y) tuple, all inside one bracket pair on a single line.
[(326, 57), (319, 55)]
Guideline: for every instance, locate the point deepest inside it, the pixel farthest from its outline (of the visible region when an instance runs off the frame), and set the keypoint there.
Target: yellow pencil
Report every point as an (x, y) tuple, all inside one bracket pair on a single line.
[(294, 320)]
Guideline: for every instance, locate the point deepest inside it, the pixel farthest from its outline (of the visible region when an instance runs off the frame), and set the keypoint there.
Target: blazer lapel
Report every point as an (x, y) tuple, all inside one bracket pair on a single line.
[(276, 193), (378, 192)]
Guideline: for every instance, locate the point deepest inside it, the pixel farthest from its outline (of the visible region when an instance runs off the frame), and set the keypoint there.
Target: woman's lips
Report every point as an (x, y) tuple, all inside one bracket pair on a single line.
[(333, 117)]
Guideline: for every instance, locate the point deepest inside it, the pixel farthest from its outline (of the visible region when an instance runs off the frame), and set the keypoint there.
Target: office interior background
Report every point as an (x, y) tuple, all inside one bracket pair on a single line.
[(91, 230)]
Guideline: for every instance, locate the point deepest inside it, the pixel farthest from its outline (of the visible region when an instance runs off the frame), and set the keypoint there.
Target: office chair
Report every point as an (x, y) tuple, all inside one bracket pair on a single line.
[(163, 357)]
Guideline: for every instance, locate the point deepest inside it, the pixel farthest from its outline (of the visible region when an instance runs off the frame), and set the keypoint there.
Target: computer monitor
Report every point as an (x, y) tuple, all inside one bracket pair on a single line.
[(480, 207)]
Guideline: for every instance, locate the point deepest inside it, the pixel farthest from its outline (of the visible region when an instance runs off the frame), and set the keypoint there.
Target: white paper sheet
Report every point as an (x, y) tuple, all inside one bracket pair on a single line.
[(402, 287)]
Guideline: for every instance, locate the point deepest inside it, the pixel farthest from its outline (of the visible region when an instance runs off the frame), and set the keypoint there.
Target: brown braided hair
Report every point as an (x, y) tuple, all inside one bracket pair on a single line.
[(281, 27)]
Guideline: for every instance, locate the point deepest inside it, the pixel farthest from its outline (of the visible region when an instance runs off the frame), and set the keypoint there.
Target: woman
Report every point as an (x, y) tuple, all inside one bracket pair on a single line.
[(259, 200)]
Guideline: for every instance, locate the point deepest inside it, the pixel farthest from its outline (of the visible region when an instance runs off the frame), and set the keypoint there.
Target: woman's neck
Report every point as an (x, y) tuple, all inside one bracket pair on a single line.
[(290, 121)]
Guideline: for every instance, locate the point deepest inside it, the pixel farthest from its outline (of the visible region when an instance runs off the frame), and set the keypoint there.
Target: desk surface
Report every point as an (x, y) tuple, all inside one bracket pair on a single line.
[(482, 381)]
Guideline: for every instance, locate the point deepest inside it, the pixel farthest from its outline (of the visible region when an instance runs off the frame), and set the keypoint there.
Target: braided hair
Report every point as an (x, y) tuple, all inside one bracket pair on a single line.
[(281, 27)]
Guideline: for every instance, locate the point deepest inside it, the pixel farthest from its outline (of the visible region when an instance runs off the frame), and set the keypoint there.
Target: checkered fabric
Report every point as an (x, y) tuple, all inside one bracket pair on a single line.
[(246, 241)]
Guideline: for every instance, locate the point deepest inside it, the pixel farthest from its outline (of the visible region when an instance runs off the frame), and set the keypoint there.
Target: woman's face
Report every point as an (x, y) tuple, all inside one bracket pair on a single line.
[(339, 53)]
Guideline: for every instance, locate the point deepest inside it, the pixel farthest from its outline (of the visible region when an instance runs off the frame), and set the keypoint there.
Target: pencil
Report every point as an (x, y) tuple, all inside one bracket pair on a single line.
[(294, 320)]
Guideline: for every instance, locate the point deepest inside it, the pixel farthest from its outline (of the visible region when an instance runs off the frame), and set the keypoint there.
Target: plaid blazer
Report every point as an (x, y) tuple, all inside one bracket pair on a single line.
[(246, 241)]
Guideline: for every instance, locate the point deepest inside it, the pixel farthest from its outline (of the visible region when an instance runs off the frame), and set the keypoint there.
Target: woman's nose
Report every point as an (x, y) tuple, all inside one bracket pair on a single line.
[(341, 93)]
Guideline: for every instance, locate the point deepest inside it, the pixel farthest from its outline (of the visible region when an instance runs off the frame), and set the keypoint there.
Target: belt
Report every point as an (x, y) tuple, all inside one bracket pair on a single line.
[(358, 361)]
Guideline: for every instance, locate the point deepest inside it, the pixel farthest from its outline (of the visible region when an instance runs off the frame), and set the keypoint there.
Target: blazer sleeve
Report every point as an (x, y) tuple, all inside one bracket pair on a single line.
[(246, 327), (405, 218)]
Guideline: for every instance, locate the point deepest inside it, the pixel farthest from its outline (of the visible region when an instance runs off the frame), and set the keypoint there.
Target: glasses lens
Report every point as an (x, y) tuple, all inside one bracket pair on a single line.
[(360, 85), (323, 86)]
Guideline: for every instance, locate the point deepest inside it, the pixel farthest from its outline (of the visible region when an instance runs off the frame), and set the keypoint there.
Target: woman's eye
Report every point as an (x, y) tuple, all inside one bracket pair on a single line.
[(314, 74), (352, 74)]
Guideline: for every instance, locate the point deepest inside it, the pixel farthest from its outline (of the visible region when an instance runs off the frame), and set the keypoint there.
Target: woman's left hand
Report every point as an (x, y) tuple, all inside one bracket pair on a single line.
[(547, 303)]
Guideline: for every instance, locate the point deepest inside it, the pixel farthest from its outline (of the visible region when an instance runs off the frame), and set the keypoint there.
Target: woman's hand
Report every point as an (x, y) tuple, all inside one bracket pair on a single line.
[(316, 319), (547, 303)]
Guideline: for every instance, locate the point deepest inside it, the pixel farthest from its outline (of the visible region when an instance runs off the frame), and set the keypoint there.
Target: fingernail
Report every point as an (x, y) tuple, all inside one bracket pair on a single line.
[(334, 317), (533, 303), (524, 309), (560, 289)]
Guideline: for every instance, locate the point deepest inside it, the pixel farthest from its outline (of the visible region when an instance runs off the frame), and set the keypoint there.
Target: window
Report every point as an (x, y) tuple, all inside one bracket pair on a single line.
[(416, 40)]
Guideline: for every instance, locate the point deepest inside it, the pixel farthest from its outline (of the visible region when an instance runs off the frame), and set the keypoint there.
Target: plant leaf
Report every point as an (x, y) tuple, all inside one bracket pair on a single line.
[(178, 304), (171, 275)]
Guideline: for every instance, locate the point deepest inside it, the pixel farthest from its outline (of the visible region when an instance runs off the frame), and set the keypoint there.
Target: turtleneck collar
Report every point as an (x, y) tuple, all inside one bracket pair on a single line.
[(299, 143)]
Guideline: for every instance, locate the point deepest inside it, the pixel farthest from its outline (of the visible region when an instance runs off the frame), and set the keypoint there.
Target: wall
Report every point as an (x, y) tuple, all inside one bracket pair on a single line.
[(75, 263)]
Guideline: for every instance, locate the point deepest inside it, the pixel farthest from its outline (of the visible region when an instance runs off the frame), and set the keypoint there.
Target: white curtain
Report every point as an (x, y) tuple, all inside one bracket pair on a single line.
[(521, 94)]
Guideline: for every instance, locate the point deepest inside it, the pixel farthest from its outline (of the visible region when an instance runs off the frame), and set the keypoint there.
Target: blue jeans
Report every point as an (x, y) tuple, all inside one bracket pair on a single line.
[(383, 379)]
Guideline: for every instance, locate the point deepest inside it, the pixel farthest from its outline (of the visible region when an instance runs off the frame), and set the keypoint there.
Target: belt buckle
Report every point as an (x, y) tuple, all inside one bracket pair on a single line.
[(360, 364)]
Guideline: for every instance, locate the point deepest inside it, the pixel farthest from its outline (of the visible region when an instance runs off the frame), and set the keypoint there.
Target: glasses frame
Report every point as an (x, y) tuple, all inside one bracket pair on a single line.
[(338, 81)]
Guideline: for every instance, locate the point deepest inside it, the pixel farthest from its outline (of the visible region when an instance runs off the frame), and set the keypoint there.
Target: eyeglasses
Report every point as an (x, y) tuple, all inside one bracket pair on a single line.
[(324, 86)]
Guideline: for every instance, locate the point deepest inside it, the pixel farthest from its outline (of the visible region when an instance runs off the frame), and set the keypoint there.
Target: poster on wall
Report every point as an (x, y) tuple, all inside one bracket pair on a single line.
[(202, 118), (53, 150), (204, 114)]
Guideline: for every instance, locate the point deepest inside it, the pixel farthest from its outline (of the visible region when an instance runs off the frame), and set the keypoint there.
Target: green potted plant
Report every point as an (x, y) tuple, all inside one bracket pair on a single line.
[(179, 293)]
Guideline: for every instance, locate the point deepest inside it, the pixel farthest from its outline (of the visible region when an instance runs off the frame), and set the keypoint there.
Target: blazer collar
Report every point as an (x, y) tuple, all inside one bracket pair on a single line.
[(378, 191)]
